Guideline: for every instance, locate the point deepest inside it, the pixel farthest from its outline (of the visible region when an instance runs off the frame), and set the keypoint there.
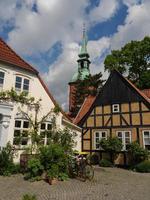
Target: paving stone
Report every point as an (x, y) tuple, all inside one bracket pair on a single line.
[(108, 184)]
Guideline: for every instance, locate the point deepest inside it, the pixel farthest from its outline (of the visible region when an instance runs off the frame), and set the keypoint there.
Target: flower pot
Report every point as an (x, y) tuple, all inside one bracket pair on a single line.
[(52, 181)]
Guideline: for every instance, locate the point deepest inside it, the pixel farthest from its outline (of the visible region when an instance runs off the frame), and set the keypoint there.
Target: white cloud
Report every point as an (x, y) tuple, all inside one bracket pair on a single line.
[(136, 26), (104, 11)]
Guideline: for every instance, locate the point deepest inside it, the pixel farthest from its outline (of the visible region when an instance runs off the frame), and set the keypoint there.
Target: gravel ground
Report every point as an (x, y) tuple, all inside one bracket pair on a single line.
[(108, 184)]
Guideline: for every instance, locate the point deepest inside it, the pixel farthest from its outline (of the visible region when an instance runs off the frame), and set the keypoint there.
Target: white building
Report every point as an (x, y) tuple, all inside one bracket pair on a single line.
[(17, 74)]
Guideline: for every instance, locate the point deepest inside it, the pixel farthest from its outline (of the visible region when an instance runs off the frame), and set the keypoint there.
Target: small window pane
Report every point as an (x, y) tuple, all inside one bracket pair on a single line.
[(16, 141), (43, 126), (17, 124), (49, 134), (42, 134), (1, 78), (17, 133), (25, 134), (18, 85), (97, 140), (97, 134), (49, 126), (146, 134), (25, 124), (18, 79), (103, 134), (24, 141), (119, 134), (127, 134), (26, 81)]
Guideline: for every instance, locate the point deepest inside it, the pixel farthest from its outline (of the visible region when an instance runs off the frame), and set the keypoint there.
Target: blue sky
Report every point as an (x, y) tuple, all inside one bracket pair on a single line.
[(48, 33)]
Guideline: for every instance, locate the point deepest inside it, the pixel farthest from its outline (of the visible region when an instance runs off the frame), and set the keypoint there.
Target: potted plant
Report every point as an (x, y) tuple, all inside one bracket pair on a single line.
[(52, 174), (52, 178)]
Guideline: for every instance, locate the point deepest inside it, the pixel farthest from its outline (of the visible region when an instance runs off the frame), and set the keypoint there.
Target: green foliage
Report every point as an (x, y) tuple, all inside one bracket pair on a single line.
[(94, 159), (14, 96), (137, 153), (111, 145), (143, 166), (63, 176), (7, 167), (29, 197), (105, 163), (133, 59), (53, 154), (53, 172), (35, 168)]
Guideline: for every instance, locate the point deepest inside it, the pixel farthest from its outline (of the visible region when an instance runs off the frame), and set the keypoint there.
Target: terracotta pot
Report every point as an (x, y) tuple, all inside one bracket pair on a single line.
[(52, 181)]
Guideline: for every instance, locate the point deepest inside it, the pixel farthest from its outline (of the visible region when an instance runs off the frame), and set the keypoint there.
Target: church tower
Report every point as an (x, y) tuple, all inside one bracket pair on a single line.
[(82, 72)]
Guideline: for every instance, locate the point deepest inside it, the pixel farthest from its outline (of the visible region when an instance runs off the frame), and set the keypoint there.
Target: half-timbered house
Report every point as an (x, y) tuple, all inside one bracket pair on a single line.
[(120, 109)]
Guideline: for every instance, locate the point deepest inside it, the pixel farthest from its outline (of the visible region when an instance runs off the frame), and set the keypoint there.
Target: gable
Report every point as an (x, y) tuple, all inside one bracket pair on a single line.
[(117, 90)]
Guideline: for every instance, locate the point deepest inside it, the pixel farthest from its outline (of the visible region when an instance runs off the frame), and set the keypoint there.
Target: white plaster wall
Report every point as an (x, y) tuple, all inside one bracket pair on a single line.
[(37, 91)]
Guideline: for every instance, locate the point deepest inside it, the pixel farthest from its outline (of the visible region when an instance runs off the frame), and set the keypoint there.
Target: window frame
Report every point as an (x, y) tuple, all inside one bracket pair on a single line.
[(114, 107), (144, 138), (2, 78), (22, 130), (21, 89), (123, 138), (45, 139), (100, 137)]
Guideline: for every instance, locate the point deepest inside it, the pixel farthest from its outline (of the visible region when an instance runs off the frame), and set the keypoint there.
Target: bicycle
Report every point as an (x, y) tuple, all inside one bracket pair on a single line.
[(81, 168)]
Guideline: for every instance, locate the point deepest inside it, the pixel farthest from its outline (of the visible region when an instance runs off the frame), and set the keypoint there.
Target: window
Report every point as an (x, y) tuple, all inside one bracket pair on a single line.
[(45, 133), (2, 74), (125, 137), (98, 136), (21, 84), (146, 139), (115, 108), (21, 132)]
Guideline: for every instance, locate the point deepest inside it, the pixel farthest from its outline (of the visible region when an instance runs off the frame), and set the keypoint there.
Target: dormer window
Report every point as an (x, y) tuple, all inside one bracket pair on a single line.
[(115, 108), (2, 74), (21, 84)]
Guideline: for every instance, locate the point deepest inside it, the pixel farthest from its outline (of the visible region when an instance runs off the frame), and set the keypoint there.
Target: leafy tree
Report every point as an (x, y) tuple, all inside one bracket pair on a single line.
[(111, 145), (89, 86), (134, 60)]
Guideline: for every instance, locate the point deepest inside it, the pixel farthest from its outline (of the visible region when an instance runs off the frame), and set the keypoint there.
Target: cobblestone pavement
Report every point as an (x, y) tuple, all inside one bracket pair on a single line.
[(108, 184)]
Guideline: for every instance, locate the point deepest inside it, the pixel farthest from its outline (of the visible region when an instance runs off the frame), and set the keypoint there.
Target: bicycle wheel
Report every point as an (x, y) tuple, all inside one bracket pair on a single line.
[(89, 172)]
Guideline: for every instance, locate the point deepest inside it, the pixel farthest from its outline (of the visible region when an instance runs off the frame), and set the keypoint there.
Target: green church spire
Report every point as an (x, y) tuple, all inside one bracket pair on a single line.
[(84, 42), (83, 61)]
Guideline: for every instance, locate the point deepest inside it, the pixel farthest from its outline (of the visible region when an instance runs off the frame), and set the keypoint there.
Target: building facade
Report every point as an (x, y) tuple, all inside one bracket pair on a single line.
[(121, 110), (17, 74)]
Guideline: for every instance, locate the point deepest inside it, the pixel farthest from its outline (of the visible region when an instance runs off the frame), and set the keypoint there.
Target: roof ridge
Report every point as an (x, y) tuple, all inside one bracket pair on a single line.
[(13, 51)]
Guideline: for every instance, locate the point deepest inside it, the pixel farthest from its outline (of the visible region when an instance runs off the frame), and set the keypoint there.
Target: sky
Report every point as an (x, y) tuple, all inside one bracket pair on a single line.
[(48, 34)]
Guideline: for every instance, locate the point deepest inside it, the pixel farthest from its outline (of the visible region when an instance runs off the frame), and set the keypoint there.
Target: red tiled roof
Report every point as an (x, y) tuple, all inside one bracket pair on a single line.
[(84, 108), (9, 56), (137, 90), (146, 92)]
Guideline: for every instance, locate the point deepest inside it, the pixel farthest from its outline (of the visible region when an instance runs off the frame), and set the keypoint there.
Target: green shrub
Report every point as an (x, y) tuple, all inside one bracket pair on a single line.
[(105, 163), (94, 159), (111, 145), (53, 154), (143, 166), (6, 161), (35, 168), (29, 197), (137, 153), (63, 176)]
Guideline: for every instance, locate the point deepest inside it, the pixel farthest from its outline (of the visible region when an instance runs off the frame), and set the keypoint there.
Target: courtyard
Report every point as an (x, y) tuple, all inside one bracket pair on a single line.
[(108, 184)]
